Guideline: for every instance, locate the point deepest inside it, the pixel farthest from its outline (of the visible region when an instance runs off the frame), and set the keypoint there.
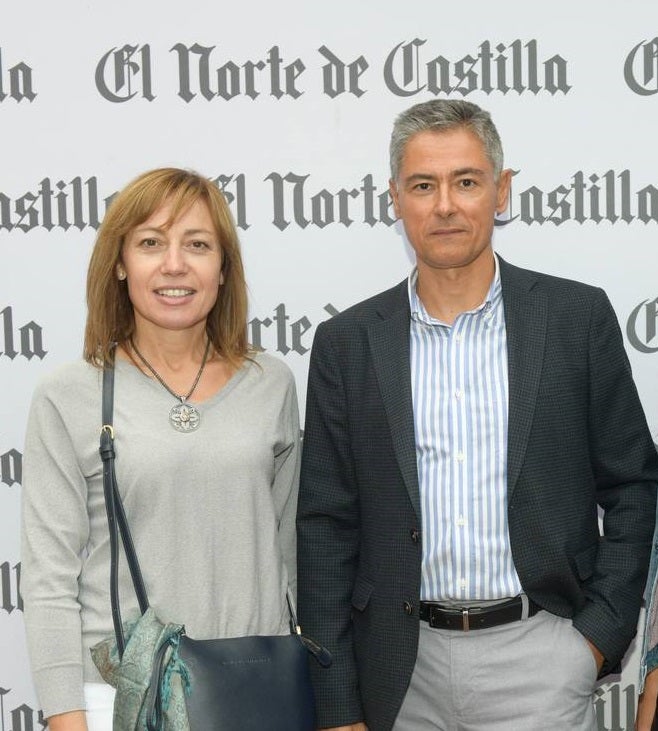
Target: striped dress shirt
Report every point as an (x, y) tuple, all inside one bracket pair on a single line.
[(460, 397)]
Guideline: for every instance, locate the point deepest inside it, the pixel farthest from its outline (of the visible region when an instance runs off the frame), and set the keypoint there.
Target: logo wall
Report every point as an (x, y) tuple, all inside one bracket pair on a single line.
[(296, 199), (126, 73)]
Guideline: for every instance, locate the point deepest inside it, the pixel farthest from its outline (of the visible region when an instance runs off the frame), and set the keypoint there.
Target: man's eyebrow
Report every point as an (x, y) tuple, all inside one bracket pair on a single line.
[(468, 171), (418, 176)]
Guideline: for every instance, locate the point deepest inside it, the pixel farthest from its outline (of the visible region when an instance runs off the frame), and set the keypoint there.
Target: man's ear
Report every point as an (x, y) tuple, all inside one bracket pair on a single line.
[(393, 190), (503, 189)]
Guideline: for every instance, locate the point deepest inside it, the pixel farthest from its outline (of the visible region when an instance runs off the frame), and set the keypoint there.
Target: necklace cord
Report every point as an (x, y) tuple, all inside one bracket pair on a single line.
[(161, 380)]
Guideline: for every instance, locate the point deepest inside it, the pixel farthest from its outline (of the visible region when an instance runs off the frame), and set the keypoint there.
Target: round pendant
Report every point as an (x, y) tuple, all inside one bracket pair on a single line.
[(184, 417)]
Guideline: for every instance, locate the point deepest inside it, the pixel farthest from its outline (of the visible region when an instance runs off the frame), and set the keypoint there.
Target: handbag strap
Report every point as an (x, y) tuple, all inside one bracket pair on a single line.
[(153, 700), (116, 516)]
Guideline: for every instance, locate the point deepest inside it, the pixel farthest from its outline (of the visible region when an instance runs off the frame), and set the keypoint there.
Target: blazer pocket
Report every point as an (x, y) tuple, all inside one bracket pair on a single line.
[(361, 593), (585, 561)]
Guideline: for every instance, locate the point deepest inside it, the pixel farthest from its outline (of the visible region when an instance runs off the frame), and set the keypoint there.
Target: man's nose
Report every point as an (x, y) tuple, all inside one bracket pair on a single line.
[(444, 201)]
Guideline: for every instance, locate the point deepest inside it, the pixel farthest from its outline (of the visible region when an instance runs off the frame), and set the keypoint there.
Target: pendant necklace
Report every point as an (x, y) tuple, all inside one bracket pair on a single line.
[(183, 417)]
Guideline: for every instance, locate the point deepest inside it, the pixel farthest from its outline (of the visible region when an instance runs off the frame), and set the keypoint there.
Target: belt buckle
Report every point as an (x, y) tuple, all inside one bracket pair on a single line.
[(465, 623)]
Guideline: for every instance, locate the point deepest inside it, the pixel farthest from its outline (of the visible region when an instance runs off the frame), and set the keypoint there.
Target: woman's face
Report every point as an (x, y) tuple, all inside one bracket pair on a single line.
[(173, 274)]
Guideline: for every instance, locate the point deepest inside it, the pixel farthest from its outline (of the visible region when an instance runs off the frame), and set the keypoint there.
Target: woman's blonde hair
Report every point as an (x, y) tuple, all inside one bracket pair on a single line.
[(110, 316)]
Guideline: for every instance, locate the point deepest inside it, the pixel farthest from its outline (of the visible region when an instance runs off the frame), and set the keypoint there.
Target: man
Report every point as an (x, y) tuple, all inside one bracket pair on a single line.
[(462, 430)]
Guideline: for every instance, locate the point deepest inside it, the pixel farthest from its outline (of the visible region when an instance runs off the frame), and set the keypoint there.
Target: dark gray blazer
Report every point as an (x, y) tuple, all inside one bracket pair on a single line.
[(577, 439)]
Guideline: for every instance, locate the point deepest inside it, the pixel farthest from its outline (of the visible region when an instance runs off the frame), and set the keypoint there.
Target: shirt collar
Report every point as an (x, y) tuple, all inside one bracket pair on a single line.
[(419, 313)]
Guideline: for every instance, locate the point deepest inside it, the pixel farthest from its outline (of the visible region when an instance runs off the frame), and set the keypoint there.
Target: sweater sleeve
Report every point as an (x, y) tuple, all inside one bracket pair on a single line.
[(55, 529), (286, 482)]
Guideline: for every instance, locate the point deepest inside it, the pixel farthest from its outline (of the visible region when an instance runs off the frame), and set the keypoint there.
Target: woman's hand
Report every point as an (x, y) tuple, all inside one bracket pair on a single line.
[(72, 721), (646, 707)]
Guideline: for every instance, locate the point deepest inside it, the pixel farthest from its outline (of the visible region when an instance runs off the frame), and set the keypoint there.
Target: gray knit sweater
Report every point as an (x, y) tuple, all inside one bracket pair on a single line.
[(212, 513)]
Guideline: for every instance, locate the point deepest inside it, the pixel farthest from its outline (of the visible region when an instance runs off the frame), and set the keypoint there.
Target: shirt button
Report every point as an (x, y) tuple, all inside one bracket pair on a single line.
[(461, 521), (458, 394), (458, 338), (462, 583), (459, 456)]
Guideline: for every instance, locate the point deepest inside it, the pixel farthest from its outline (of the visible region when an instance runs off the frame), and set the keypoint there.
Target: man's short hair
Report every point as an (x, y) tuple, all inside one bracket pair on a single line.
[(441, 115)]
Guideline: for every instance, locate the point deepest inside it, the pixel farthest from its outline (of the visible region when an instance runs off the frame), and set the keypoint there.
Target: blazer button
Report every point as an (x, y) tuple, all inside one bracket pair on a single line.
[(415, 535), (408, 608)]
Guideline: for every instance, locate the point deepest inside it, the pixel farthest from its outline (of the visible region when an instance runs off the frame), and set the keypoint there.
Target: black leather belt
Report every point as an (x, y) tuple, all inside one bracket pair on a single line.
[(468, 618)]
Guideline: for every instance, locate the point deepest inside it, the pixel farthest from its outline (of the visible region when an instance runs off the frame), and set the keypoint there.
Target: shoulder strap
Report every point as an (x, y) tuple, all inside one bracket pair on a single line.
[(116, 516)]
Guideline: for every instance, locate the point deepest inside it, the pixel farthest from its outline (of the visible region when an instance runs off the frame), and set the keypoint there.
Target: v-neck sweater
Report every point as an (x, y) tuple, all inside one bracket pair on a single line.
[(212, 513)]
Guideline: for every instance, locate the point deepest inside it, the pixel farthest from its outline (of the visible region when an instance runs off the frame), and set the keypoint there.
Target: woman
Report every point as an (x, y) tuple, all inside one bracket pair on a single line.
[(206, 437)]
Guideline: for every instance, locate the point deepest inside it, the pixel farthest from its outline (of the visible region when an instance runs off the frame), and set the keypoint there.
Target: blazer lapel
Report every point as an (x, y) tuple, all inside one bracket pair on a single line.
[(389, 345), (526, 312)]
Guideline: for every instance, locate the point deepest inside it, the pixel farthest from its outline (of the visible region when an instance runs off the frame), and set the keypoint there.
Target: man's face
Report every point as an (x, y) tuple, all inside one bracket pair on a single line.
[(447, 197)]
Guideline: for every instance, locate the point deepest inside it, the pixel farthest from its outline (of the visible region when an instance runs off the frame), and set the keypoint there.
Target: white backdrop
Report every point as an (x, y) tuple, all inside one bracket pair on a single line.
[(290, 105)]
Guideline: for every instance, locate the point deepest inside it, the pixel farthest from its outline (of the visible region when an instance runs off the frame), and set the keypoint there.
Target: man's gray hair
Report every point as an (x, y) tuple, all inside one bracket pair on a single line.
[(441, 115)]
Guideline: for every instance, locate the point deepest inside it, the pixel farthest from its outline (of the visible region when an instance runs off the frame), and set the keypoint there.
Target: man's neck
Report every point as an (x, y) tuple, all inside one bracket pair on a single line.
[(446, 293)]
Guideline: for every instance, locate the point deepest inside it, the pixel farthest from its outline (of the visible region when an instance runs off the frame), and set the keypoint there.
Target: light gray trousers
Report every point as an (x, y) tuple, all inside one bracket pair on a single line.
[(532, 675)]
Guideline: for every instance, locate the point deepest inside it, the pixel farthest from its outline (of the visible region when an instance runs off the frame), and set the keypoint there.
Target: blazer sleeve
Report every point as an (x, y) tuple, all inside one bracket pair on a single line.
[(328, 535), (625, 469)]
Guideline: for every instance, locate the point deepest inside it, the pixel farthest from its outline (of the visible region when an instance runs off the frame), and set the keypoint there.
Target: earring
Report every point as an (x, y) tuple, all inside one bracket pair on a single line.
[(121, 274)]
